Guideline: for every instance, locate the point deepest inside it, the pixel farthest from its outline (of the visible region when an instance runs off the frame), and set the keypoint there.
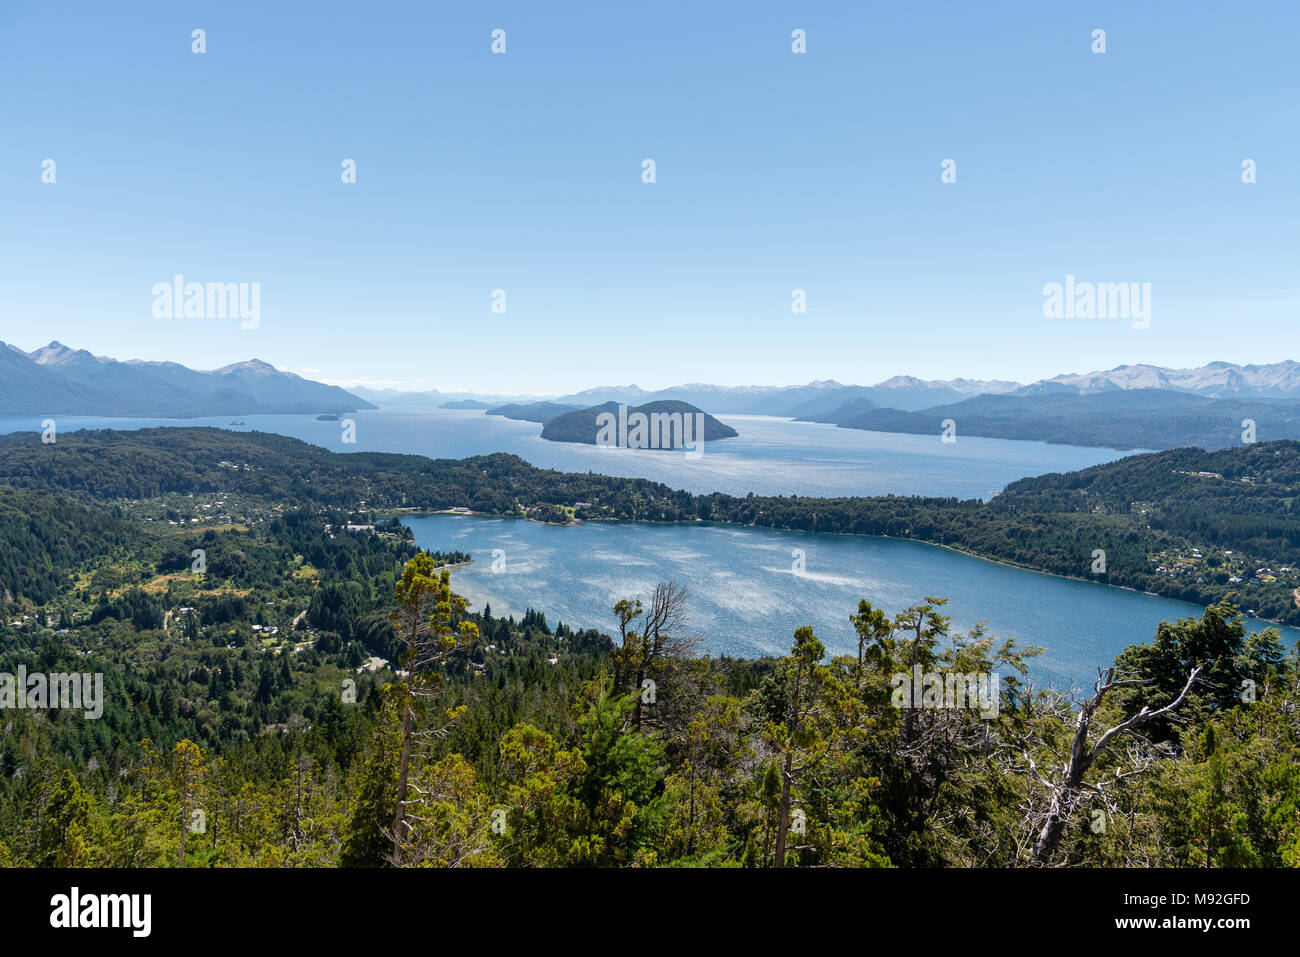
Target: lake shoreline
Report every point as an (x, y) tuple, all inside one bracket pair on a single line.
[(856, 535), (751, 587)]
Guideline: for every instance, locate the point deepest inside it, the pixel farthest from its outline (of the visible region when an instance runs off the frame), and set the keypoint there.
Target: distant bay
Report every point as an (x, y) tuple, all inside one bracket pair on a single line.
[(771, 456)]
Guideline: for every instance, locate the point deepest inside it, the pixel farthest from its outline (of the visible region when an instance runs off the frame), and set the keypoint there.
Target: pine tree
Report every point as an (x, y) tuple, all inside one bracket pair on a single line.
[(426, 632)]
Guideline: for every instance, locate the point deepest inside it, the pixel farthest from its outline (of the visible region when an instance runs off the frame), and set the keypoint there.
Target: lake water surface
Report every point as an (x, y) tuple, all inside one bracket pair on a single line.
[(747, 599), (770, 456)]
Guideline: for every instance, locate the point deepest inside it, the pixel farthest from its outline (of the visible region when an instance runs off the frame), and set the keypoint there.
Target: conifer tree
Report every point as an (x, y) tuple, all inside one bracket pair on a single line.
[(427, 632)]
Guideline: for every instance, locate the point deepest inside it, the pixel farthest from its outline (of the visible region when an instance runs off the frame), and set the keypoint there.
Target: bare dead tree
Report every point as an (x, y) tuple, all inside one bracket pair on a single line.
[(807, 652), (443, 826), (665, 633), (1068, 786)]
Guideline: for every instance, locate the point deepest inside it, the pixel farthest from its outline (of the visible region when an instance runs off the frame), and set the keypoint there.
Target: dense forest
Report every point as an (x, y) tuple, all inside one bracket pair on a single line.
[(289, 681), (1187, 524), (526, 745)]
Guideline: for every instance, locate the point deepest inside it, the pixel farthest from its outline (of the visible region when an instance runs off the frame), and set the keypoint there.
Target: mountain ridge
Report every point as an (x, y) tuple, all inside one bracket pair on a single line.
[(1120, 419), (821, 399), (56, 379)]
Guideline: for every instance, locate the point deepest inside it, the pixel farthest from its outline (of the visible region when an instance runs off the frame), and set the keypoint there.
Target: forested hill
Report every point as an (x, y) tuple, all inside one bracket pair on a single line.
[(43, 535), (1218, 493), (583, 425), (1241, 498), (1184, 523), (108, 465)]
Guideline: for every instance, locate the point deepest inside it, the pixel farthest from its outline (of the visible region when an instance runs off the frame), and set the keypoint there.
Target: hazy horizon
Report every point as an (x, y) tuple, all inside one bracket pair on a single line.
[(480, 389)]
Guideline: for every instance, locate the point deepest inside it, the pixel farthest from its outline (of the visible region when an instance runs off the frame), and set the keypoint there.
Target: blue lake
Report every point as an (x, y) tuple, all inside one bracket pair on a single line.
[(746, 598), (770, 457)]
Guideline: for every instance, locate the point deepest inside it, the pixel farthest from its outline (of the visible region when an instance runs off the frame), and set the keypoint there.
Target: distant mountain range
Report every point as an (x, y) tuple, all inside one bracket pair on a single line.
[(1119, 419), (1139, 406), (1218, 380), (58, 380), (900, 392), (849, 410), (825, 400), (1130, 406), (435, 399)]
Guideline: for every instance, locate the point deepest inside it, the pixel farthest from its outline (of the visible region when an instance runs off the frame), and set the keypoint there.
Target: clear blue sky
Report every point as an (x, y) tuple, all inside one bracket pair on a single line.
[(774, 171)]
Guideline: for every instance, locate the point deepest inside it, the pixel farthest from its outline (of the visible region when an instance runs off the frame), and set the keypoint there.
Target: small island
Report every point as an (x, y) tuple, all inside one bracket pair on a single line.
[(327, 417), (667, 424)]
